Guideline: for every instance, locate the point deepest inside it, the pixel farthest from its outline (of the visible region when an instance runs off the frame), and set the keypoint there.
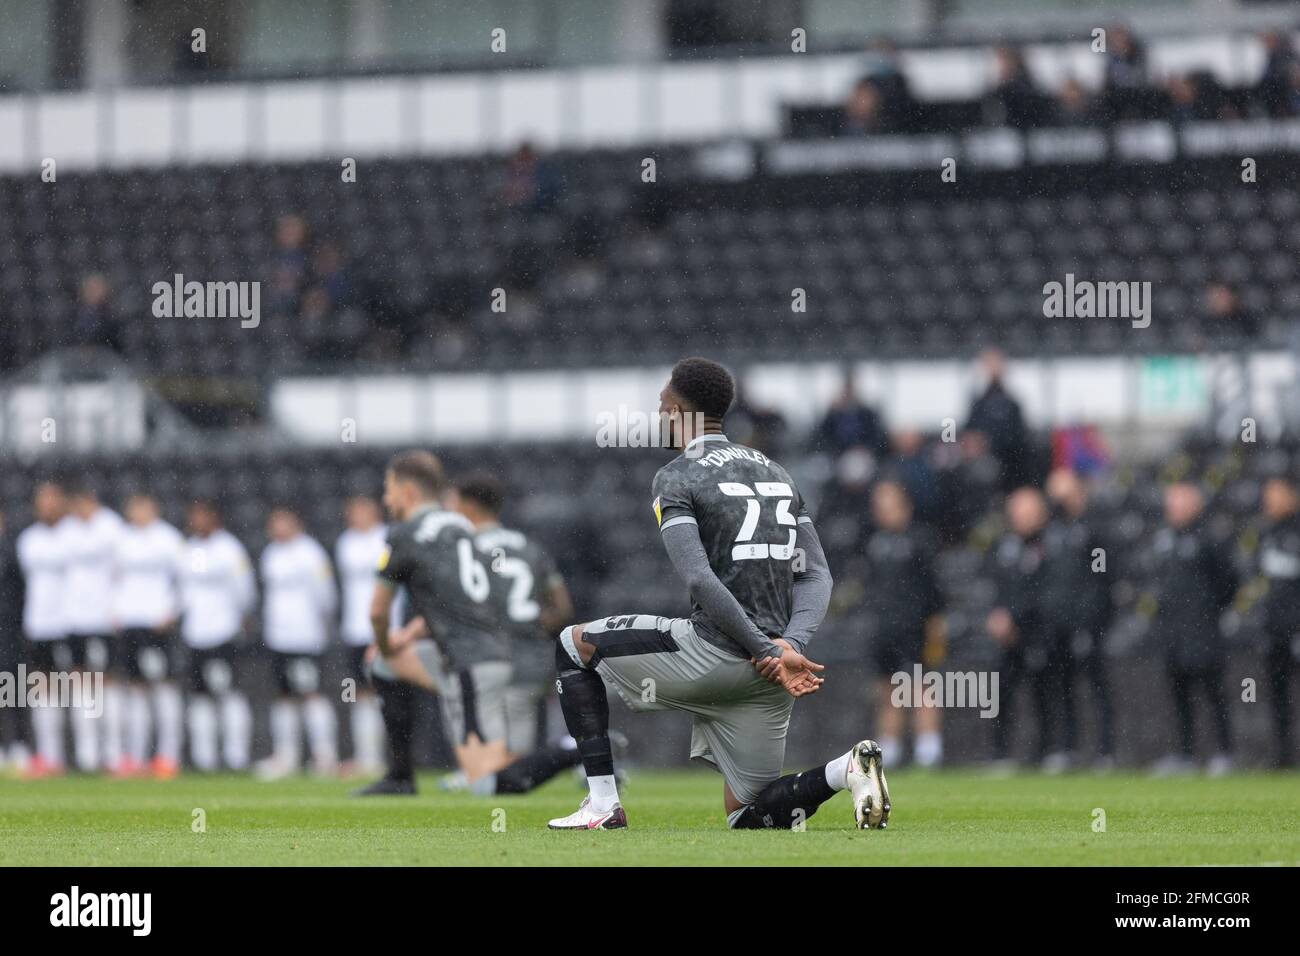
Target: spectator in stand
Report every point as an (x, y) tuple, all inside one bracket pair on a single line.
[(1074, 105), (1226, 319), (316, 329), (882, 68), (864, 110), (758, 426), (851, 423), (288, 265), (1292, 98), (1273, 92), (529, 183), (329, 327), (93, 323), (997, 416), (1014, 100), (1197, 97), (912, 466), (330, 274), (1127, 89)]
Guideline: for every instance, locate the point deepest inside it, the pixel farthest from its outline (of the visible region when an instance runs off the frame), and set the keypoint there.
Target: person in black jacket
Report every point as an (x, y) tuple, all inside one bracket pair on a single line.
[(1279, 566), (906, 603), (850, 423), (1016, 624), (13, 722), (1076, 606), (997, 416), (1194, 584), (1014, 100)]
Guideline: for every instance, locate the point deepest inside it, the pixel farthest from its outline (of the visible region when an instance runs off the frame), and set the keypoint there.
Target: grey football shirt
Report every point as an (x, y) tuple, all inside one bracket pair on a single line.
[(433, 555), (523, 574), (747, 508)]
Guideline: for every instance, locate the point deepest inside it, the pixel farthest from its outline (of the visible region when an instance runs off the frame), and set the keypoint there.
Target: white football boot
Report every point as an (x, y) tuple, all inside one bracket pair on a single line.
[(866, 782), (586, 818)]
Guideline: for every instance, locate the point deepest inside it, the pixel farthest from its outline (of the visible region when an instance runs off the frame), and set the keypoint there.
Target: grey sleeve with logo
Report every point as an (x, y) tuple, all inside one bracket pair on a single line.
[(686, 551), (812, 589)]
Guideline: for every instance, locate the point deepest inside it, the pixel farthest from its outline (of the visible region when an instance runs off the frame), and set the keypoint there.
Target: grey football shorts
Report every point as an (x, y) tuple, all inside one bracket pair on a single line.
[(660, 663), (472, 699)]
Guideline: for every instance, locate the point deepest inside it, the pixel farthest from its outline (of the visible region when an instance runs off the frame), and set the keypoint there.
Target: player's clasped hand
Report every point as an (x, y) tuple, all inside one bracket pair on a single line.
[(796, 673)]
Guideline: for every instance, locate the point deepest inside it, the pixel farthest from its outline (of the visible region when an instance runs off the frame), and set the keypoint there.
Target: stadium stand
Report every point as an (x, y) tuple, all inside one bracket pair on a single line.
[(401, 266), (397, 274)]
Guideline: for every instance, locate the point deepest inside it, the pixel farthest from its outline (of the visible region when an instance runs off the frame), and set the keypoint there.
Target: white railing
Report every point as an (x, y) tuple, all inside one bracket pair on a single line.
[(1116, 391), (469, 113)]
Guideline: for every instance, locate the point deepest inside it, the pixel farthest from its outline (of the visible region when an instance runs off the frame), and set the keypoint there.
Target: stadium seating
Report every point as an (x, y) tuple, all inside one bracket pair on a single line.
[(612, 269)]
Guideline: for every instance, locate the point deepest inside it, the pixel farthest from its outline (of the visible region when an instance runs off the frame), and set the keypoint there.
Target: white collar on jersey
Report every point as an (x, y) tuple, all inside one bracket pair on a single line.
[(712, 436)]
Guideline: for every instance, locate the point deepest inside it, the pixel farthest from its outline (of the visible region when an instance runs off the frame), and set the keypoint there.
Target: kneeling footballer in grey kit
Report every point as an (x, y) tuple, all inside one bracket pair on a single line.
[(431, 554), (737, 532)]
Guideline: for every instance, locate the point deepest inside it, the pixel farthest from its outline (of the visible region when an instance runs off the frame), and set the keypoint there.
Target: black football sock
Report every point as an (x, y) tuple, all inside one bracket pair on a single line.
[(586, 713), (397, 704), (534, 769), (782, 802)]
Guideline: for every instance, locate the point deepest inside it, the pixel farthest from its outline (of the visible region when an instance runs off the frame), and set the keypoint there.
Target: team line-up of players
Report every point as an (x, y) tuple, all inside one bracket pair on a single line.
[(113, 593)]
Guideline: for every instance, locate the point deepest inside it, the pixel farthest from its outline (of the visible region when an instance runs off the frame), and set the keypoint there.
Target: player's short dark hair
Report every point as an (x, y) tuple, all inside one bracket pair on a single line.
[(704, 385), (81, 488), (420, 467), (484, 489), (210, 505)]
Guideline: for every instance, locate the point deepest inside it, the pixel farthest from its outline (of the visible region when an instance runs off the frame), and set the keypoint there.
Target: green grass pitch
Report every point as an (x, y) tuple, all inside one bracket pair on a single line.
[(676, 819)]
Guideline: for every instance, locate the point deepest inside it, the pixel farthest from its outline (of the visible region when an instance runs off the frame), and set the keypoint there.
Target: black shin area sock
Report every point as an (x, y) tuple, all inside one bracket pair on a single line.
[(397, 704), (586, 713), (786, 801), (534, 769)]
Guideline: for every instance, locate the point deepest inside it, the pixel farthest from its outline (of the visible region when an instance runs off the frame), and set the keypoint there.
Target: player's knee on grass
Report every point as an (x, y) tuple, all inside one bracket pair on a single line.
[(783, 803)]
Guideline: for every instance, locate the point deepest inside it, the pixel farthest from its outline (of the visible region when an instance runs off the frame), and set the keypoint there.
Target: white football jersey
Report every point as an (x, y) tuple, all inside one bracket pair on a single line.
[(146, 565), (90, 549), (356, 555), (217, 589), (299, 596), (41, 557)]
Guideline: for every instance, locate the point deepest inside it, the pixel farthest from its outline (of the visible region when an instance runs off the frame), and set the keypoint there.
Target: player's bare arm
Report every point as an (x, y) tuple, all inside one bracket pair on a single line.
[(403, 637), (381, 607), (558, 608)]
